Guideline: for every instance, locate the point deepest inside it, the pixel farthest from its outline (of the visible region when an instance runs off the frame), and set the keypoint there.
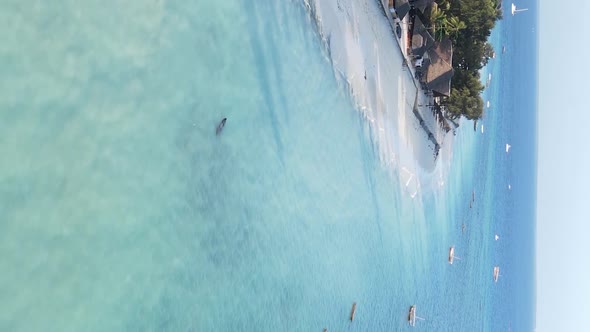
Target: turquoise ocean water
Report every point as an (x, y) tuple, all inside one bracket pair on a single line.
[(121, 210)]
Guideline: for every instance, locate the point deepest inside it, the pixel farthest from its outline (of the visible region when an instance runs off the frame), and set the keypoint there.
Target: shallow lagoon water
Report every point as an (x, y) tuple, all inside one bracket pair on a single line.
[(122, 210)]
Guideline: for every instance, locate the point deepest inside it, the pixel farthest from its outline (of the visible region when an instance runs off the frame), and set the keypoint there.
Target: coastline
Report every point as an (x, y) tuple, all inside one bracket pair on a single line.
[(421, 110), (369, 60)]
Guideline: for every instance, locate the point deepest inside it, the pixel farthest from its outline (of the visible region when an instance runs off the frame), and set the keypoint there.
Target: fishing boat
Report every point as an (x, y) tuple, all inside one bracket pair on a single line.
[(412, 316), (452, 256), (496, 273), (516, 11), (353, 311)]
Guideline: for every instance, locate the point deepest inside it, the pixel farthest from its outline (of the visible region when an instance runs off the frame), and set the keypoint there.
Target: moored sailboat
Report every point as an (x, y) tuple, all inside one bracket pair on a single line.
[(452, 255), (496, 273), (515, 10), (412, 316)]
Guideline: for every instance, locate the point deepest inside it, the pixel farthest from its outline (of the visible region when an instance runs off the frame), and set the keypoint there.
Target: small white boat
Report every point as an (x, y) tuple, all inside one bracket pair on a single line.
[(412, 316), (496, 237), (509, 187), (482, 128), (488, 104), (496, 273), (515, 11), (508, 146)]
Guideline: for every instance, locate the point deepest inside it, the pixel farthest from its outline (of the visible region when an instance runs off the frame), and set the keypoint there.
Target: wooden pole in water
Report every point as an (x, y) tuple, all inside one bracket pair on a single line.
[(352, 311)]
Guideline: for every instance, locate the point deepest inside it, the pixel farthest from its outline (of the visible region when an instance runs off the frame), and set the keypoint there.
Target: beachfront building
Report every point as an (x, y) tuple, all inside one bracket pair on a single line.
[(400, 7), (433, 59), (421, 5), (439, 69), (421, 40)]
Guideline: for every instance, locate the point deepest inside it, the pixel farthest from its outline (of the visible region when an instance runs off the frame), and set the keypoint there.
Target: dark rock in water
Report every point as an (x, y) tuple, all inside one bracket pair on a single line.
[(220, 126)]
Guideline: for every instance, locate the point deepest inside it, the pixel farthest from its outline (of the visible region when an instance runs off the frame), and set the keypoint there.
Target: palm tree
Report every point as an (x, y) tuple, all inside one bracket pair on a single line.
[(444, 25), (438, 20), (444, 4), (453, 26)]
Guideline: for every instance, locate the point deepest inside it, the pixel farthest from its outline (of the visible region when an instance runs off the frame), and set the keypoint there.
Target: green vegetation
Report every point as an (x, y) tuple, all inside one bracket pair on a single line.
[(468, 23), (445, 25)]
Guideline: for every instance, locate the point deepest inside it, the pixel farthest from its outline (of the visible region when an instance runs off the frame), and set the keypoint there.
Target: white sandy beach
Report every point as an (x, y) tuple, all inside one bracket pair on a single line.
[(366, 57)]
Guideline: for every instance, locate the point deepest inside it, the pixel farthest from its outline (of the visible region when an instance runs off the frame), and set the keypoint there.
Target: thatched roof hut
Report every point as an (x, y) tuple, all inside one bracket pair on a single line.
[(421, 41), (440, 71)]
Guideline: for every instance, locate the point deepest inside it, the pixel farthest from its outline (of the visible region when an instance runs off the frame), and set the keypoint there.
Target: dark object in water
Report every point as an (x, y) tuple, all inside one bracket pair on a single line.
[(353, 311), (220, 126)]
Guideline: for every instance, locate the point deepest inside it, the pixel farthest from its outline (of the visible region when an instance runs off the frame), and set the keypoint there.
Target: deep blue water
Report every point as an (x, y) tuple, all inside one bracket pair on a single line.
[(513, 118), (122, 210)]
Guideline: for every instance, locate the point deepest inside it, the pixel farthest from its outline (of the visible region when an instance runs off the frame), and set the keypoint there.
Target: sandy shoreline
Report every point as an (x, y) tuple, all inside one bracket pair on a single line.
[(425, 115), (369, 60)]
